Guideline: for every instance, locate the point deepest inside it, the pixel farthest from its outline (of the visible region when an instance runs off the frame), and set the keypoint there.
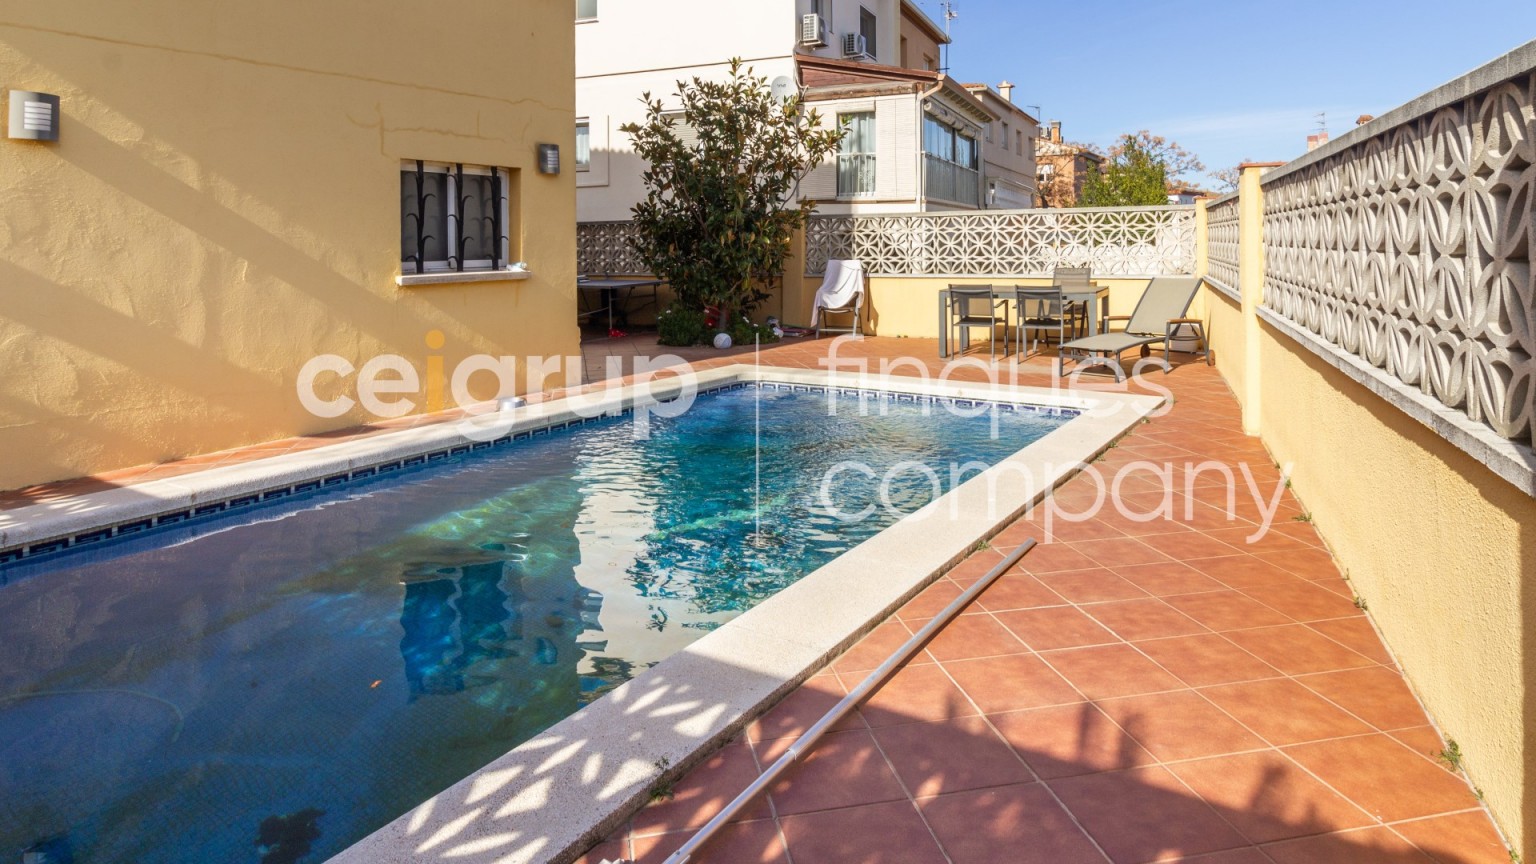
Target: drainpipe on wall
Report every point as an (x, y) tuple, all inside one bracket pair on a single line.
[(922, 161)]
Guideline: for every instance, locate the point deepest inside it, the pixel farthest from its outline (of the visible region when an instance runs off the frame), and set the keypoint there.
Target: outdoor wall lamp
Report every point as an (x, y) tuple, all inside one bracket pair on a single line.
[(34, 116), (549, 158)]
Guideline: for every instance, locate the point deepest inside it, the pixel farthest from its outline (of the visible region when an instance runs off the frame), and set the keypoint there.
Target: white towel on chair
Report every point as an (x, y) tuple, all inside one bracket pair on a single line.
[(842, 282)]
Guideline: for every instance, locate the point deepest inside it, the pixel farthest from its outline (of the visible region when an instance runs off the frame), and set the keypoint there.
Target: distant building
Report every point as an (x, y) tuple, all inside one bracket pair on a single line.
[(1316, 141), (1187, 194), (916, 137), (1062, 168), (1008, 150)]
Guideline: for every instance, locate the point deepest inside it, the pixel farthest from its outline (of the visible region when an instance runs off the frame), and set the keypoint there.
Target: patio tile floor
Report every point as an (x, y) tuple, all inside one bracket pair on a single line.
[(1137, 689)]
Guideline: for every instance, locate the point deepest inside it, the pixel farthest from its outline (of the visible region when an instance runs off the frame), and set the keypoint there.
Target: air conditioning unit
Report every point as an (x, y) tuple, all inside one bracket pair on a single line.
[(854, 45), (813, 30)]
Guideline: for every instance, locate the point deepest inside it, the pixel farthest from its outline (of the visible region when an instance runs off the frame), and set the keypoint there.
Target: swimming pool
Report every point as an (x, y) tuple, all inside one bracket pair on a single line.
[(275, 683)]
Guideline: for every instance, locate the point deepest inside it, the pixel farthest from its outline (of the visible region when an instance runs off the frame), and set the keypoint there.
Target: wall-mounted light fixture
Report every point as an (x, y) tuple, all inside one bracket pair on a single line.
[(34, 116), (549, 158)]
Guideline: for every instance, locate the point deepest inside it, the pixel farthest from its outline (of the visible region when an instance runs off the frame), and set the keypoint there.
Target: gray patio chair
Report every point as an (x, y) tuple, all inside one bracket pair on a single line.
[(972, 306), (1080, 278), (1041, 309), (1162, 308)]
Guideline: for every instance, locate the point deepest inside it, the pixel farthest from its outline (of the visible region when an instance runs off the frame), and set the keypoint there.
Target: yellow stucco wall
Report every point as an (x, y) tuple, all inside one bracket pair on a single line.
[(224, 204), (1442, 550)]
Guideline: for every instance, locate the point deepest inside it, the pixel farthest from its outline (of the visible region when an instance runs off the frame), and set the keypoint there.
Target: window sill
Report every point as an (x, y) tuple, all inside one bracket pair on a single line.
[(406, 280)]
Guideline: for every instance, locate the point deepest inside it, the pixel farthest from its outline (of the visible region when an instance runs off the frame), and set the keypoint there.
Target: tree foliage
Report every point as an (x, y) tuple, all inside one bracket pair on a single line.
[(1130, 177), (720, 210), (1176, 161), (1228, 177)]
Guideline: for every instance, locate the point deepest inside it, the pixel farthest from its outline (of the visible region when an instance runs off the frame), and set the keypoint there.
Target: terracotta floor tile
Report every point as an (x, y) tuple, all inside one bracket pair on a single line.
[(1268, 797), (1356, 634), (1011, 683), (606, 851), (950, 756), (914, 694), (1053, 557), (1242, 571), (1091, 586), (1017, 591), (1144, 814), (1306, 563), (930, 601), (1179, 725), (1070, 740), (1384, 777), (1228, 610), (1192, 544), (1284, 712), (1107, 671), (799, 710), (1168, 578), (1295, 649), (737, 843), (1464, 838), (1013, 824), (700, 794), (1119, 553), (1422, 740), (1366, 846), (974, 567), (970, 636), (1249, 855), (1055, 627), (1205, 659), (1306, 601), (844, 769), (1377, 695), (890, 833), (1143, 619), (1085, 529), (868, 653)]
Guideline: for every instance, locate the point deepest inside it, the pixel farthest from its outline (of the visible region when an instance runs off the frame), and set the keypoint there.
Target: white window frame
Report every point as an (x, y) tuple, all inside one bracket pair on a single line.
[(874, 155), (451, 242), (583, 123)]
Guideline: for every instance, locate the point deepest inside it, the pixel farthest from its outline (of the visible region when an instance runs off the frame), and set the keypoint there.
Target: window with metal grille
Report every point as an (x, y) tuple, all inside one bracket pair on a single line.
[(452, 217)]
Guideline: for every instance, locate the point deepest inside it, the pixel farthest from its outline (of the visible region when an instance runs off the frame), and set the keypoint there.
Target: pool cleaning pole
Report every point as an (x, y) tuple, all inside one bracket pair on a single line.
[(870, 684)]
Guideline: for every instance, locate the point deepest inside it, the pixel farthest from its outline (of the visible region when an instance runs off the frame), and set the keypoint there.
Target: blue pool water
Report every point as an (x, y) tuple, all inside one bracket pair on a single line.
[(272, 686)]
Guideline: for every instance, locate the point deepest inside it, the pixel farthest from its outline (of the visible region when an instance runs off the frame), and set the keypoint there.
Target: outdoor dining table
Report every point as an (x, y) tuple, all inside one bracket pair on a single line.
[(1094, 294), (617, 293)]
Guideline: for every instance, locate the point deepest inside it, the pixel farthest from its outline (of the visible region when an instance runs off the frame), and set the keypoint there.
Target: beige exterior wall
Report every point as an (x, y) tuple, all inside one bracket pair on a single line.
[(918, 50), (224, 204), (1008, 166), (1441, 549)]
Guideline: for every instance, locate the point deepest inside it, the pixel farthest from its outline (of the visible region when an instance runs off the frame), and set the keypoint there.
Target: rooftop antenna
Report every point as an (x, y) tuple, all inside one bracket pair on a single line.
[(1322, 122), (949, 15)]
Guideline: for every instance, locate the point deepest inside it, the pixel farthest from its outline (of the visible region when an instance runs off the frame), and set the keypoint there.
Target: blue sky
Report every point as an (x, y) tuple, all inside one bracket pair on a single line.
[(1170, 66)]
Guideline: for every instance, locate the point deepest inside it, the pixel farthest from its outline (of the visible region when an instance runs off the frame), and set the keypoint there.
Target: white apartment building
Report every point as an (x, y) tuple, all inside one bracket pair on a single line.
[(916, 139)]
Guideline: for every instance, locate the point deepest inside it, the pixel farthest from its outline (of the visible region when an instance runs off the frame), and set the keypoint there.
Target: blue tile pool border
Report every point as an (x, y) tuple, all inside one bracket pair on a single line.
[(36, 550)]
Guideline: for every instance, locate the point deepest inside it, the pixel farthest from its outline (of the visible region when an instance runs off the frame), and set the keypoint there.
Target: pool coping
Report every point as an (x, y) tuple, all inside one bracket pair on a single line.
[(551, 798)]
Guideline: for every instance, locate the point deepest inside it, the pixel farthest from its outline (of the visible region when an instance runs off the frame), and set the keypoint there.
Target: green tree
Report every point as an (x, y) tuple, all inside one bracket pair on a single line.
[(1132, 176), (720, 209)]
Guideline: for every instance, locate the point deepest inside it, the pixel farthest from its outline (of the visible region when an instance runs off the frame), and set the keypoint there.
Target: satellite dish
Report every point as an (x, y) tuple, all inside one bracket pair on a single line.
[(782, 88)]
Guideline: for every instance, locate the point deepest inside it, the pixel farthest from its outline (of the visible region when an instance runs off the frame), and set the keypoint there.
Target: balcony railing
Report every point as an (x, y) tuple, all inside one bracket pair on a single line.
[(855, 174), (948, 181)]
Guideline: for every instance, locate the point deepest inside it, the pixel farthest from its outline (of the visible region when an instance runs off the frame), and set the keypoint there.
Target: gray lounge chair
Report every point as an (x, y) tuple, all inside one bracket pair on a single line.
[(1161, 309)]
